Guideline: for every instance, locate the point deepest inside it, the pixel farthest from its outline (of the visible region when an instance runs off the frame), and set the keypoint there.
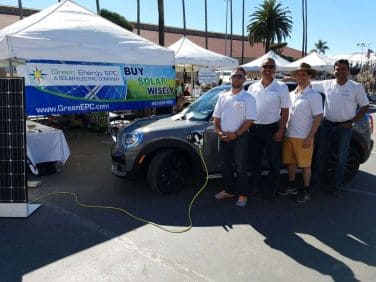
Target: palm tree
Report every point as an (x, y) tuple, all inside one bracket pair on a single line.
[(321, 46), (161, 22), (269, 23)]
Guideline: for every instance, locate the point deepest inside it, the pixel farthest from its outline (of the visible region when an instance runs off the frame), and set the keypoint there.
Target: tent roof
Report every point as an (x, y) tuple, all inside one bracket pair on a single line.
[(315, 60), (68, 32), (256, 64), (188, 53)]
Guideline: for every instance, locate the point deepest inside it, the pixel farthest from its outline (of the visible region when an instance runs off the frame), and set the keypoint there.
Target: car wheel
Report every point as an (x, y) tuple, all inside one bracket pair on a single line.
[(352, 166), (168, 172)]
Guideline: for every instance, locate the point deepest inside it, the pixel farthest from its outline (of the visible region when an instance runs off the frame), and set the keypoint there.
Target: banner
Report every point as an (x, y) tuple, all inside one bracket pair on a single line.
[(54, 87)]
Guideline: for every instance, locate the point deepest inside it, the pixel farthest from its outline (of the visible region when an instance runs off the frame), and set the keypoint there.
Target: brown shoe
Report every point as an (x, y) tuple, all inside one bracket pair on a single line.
[(223, 195)]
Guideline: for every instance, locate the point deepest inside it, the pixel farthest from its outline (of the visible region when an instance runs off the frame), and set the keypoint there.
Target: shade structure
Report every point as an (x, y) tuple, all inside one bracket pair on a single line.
[(188, 54), (255, 65), (316, 61)]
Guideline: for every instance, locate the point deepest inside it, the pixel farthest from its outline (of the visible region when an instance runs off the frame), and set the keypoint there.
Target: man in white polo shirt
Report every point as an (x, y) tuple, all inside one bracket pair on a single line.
[(304, 119), (273, 102), (342, 98), (233, 115)]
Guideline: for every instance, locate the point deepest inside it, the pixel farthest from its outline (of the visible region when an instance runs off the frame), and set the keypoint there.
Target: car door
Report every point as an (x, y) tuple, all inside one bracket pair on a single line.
[(211, 149)]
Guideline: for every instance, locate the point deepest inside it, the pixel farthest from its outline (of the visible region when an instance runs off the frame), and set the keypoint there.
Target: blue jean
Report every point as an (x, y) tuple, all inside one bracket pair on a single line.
[(235, 152), (261, 139), (327, 135)]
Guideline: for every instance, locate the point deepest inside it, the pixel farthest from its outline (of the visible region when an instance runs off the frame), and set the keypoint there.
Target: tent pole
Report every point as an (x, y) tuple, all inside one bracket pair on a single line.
[(11, 67)]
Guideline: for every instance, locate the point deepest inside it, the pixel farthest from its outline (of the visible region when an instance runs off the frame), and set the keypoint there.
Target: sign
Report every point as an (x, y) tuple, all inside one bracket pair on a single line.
[(206, 75), (54, 87)]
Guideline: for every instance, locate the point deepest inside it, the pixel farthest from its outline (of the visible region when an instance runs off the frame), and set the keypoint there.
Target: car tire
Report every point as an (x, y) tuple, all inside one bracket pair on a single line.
[(352, 166), (168, 172)]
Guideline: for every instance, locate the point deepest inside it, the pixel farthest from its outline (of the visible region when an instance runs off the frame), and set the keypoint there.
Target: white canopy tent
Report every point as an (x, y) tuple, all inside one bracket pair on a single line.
[(67, 31), (70, 56), (316, 61), (354, 58), (256, 64), (188, 54)]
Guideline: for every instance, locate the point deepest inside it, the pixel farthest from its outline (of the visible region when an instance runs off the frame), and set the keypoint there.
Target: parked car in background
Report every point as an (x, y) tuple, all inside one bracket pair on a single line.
[(166, 150)]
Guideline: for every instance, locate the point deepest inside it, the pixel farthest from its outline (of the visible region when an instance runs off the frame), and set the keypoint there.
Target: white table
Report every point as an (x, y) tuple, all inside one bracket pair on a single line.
[(45, 144)]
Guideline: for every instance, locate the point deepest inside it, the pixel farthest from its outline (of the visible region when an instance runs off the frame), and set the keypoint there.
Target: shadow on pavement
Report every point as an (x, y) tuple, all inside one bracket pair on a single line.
[(60, 228)]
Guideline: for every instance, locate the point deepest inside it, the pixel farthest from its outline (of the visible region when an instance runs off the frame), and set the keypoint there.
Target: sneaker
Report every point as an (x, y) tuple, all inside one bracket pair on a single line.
[(241, 202), (303, 197), (288, 191), (223, 195)]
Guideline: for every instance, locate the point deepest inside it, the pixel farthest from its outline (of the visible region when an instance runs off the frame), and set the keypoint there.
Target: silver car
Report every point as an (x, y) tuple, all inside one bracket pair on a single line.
[(172, 151)]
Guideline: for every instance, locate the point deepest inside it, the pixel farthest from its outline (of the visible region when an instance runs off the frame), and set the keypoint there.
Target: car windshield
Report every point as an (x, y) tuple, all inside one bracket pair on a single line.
[(203, 107)]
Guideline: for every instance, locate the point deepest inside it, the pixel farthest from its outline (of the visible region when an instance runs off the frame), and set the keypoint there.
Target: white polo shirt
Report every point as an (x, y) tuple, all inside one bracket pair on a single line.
[(233, 110), (270, 100), (341, 101), (305, 106)]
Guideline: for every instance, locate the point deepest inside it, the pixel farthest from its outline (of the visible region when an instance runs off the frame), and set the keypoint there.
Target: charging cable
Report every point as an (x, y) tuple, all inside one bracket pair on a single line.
[(182, 230)]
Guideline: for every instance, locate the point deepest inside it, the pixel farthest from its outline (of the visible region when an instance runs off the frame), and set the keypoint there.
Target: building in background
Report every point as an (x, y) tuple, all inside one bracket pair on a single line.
[(216, 41)]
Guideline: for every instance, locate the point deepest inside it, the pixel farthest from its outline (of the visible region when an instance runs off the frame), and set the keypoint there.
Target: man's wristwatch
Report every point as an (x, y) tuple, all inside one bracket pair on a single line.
[(237, 133)]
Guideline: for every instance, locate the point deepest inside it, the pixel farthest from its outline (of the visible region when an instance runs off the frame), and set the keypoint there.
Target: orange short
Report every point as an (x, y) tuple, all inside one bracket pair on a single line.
[(294, 153)]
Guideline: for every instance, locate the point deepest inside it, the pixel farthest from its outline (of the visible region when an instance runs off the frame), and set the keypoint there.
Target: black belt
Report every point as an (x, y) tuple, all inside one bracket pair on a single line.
[(337, 124), (268, 125)]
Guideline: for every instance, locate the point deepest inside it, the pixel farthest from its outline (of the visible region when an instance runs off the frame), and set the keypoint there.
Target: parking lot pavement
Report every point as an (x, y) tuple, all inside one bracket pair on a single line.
[(326, 239)]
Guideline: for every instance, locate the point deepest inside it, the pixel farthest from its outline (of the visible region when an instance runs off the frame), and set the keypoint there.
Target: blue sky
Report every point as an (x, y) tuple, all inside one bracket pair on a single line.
[(341, 23)]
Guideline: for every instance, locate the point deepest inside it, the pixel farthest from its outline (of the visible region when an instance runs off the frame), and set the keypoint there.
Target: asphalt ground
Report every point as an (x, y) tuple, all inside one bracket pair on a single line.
[(326, 239)]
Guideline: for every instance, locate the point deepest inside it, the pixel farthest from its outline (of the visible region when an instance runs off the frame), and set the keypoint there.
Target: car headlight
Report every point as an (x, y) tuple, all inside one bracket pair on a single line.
[(131, 139)]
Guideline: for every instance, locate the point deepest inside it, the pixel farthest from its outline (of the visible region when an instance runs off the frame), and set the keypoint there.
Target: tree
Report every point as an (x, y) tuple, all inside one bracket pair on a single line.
[(116, 18), (270, 23), (278, 47), (321, 46)]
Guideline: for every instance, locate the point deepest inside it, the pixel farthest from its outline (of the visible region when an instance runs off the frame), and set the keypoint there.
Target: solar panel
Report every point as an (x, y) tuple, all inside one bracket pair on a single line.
[(13, 188)]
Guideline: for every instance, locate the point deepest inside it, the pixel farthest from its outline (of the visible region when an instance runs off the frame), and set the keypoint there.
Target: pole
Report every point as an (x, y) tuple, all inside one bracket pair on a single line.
[(226, 27), (20, 9), (184, 23), (138, 17), (231, 28), (243, 34), (206, 24)]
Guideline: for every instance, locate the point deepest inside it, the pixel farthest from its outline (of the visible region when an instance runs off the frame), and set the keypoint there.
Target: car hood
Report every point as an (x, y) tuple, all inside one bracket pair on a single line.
[(162, 123)]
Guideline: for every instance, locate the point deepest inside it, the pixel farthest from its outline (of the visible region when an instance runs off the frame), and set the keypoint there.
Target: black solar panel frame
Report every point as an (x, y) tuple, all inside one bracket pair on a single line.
[(13, 173)]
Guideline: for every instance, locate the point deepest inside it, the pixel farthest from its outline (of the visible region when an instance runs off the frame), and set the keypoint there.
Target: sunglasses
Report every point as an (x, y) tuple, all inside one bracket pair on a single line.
[(268, 66), (238, 76)]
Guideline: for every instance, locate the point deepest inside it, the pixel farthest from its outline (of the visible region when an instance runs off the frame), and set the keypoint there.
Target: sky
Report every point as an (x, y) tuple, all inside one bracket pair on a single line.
[(343, 24)]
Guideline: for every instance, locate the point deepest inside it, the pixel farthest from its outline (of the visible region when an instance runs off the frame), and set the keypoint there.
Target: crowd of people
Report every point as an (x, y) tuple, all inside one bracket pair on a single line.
[(268, 118)]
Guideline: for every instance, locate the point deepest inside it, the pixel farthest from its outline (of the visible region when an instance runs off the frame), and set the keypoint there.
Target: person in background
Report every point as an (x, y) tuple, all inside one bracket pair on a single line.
[(305, 116), (233, 115), (342, 98), (273, 102)]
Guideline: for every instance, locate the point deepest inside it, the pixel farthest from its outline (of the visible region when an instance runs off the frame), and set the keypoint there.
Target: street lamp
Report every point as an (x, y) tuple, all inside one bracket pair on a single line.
[(362, 45)]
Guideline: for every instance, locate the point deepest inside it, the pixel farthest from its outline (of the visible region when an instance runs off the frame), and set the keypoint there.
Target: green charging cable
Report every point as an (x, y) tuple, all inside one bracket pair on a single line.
[(182, 230)]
